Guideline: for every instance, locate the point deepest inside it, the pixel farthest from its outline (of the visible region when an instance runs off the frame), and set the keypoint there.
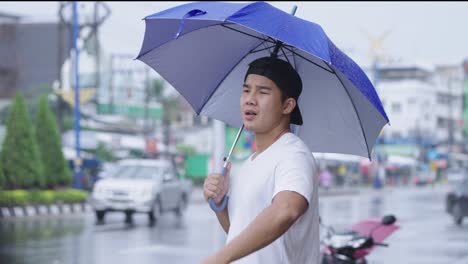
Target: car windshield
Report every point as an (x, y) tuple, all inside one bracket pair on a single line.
[(138, 172)]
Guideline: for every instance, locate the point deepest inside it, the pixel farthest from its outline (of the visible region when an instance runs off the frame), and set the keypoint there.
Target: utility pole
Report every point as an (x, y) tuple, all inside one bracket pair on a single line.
[(147, 87), (77, 165), (93, 32), (111, 85), (450, 115), (465, 104), (97, 56), (62, 24)]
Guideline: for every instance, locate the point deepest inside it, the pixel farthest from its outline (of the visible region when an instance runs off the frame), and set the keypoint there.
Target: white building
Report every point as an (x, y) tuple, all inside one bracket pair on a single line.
[(422, 102)]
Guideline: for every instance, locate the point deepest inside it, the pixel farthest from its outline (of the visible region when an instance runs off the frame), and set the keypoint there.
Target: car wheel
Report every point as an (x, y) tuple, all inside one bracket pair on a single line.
[(449, 201), (181, 206), (100, 216), (457, 214), (155, 212)]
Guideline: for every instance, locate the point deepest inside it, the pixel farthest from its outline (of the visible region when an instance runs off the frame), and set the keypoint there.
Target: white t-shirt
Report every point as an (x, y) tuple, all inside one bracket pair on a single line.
[(287, 165)]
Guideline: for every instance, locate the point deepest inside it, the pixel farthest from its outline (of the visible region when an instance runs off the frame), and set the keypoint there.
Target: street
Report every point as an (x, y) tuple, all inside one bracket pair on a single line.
[(426, 235)]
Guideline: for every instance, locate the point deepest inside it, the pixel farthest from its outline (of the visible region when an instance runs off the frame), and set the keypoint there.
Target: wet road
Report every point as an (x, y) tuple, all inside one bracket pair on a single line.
[(427, 233)]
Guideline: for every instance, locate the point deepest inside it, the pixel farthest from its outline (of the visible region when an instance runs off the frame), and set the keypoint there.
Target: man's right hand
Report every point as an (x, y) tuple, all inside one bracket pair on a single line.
[(216, 185)]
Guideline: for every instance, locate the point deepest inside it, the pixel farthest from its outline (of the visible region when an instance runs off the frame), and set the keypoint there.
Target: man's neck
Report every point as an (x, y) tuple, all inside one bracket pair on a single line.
[(264, 140)]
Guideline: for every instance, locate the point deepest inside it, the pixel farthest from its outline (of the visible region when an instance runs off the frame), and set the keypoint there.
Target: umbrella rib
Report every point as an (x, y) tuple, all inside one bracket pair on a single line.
[(299, 55), (255, 51), (253, 36), (282, 50), (287, 52), (355, 110)]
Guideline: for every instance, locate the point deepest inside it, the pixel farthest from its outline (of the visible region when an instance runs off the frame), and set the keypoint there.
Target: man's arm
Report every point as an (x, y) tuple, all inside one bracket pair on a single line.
[(270, 224)]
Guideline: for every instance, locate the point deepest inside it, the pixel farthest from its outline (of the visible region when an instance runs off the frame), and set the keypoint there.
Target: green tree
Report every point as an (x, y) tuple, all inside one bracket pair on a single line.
[(170, 103), (170, 106), (22, 166), (104, 153), (56, 170), (157, 89), (186, 149)]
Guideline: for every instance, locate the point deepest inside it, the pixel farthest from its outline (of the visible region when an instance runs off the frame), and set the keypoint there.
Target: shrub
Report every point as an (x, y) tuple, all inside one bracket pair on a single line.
[(71, 196), (14, 198), (23, 197), (41, 197)]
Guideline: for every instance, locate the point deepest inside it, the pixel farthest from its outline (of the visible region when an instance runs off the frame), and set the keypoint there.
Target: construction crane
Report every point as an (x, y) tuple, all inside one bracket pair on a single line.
[(376, 52)]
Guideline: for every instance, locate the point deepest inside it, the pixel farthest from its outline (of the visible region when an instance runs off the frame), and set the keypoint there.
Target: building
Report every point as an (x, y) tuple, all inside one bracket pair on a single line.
[(424, 104), (31, 55)]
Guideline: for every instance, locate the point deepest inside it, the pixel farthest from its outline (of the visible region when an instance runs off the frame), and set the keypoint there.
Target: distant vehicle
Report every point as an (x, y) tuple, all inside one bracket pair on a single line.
[(106, 169), (456, 199), (423, 176), (141, 186)]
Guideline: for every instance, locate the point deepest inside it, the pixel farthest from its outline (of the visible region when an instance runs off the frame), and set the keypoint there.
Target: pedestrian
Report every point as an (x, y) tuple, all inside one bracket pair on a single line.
[(325, 178), (272, 213)]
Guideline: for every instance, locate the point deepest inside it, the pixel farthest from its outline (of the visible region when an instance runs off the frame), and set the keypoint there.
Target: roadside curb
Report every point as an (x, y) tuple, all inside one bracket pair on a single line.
[(37, 210)]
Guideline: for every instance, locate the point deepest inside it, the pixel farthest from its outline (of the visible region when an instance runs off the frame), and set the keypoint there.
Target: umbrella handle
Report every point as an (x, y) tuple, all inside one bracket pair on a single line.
[(191, 13), (224, 202)]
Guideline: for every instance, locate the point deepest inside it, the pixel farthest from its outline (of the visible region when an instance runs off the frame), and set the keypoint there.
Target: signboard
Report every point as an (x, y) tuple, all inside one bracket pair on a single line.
[(151, 146), (244, 146)]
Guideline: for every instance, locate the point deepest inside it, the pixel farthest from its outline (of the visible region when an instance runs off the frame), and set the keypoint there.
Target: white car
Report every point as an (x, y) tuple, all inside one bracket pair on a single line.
[(141, 186)]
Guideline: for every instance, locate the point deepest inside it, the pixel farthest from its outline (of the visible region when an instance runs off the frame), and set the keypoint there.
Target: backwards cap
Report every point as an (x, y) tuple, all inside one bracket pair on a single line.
[(284, 76)]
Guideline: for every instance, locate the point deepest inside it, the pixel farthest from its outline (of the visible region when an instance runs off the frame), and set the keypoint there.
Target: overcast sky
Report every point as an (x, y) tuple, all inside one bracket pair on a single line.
[(431, 32)]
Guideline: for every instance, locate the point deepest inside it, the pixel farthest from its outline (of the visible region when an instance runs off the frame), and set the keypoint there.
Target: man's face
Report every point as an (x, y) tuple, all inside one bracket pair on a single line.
[(260, 103)]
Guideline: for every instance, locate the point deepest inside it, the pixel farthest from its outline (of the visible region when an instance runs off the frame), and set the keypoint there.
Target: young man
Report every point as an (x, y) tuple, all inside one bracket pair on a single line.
[(272, 214)]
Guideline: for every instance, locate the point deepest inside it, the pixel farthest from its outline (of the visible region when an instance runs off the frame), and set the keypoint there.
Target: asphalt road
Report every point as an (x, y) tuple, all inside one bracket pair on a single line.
[(426, 235)]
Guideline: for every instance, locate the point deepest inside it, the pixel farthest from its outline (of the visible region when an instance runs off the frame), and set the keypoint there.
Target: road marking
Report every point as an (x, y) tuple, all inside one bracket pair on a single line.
[(18, 211), (5, 212)]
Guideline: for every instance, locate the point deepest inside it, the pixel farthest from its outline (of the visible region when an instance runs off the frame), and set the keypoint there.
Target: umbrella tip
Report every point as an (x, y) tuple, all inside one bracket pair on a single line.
[(293, 12)]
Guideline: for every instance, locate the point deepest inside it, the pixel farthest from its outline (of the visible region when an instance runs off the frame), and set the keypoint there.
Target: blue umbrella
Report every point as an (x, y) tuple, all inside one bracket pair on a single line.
[(203, 50)]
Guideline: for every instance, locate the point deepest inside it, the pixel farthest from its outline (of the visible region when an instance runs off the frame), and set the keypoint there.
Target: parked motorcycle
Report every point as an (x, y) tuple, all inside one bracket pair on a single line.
[(352, 247)]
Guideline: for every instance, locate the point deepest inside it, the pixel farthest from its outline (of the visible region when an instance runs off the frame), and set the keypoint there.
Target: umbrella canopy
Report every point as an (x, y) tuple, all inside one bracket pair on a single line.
[(203, 50)]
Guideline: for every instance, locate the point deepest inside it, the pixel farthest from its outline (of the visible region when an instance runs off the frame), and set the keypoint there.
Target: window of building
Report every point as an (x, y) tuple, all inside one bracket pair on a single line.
[(411, 100), (396, 107), (396, 135)]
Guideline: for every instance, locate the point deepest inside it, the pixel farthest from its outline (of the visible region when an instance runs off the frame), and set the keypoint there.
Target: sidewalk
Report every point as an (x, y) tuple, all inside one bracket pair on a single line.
[(197, 193)]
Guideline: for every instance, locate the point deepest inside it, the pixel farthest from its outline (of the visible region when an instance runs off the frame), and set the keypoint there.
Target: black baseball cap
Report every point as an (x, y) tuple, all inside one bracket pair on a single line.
[(284, 76)]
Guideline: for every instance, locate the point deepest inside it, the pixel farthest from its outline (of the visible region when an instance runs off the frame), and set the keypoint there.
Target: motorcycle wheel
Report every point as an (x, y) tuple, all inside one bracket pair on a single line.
[(326, 259), (362, 261), (457, 214)]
